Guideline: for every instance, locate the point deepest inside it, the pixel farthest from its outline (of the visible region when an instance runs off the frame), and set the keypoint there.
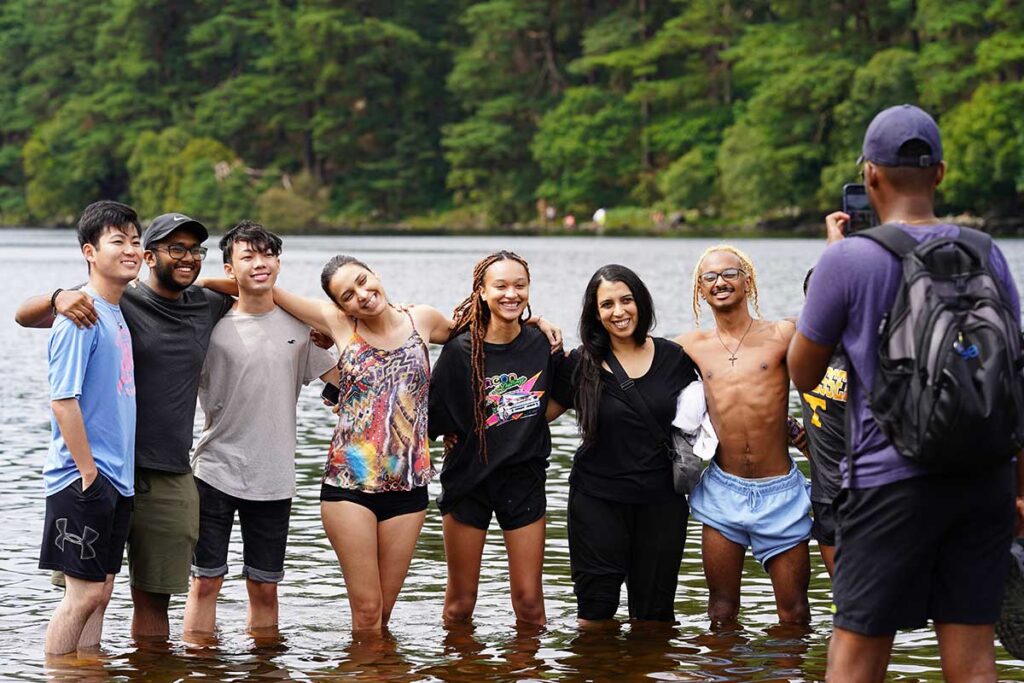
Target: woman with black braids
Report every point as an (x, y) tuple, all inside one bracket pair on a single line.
[(488, 397), (626, 522)]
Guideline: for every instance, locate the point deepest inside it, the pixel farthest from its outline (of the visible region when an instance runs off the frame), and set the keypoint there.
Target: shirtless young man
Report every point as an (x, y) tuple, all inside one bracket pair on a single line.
[(751, 494)]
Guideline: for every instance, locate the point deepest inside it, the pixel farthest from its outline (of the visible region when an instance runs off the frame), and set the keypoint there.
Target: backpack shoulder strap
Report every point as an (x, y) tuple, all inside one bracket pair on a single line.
[(978, 242), (637, 402), (891, 238)]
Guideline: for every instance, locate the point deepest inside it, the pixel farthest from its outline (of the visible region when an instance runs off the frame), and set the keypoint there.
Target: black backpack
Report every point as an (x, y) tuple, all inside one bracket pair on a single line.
[(948, 386)]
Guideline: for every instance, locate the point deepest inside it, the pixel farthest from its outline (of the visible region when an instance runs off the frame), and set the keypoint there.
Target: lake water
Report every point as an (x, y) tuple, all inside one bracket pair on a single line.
[(315, 642)]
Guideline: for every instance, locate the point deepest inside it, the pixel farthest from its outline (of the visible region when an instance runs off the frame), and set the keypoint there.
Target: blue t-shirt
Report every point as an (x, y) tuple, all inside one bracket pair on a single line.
[(94, 366), (853, 286)]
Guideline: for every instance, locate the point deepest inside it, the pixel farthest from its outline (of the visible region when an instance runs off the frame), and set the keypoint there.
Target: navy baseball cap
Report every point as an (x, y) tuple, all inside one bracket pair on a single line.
[(896, 126), (164, 225)]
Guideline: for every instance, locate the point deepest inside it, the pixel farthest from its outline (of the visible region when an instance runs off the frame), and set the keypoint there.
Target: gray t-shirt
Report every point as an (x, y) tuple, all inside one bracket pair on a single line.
[(250, 383), (169, 341)]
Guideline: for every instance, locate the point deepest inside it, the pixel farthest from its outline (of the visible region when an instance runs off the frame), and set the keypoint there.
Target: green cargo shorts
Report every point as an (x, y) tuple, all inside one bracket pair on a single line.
[(164, 530)]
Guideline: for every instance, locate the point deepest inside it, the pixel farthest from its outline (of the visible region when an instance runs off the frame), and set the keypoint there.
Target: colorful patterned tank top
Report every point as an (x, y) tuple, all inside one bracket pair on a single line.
[(381, 441)]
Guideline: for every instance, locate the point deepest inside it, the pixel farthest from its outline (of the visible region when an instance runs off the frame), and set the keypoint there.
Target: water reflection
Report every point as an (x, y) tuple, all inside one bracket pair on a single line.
[(315, 643)]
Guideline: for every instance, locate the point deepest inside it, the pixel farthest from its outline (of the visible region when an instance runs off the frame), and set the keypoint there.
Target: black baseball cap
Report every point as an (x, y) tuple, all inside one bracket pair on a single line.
[(164, 225), (894, 127)]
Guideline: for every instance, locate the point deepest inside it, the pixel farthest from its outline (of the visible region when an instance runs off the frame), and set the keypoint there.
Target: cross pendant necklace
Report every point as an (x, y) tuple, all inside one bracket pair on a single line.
[(733, 352)]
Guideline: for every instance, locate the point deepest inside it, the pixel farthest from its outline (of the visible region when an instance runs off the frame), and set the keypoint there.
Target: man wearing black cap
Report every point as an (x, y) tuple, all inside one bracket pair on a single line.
[(914, 544), (170, 322)]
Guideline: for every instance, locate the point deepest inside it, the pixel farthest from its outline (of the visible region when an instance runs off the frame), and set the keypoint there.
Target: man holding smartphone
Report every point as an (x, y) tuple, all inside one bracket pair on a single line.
[(914, 544)]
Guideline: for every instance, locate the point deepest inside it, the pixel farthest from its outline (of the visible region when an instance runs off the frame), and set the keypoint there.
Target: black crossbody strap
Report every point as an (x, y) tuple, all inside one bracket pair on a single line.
[(628, 387)]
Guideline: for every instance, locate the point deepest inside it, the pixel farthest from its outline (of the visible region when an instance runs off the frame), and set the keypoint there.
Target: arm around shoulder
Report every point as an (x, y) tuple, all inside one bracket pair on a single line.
[(686, 339), (75, 304), (436, 325), (322, 316)]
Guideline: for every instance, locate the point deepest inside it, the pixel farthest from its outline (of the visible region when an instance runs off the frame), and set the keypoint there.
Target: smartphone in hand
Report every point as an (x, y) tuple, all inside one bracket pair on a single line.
[(330, 394), (858, 208)]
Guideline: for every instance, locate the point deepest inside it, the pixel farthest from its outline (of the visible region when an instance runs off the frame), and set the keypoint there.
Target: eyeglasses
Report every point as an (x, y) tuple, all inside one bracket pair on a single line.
[(729, 275), (177, 252)]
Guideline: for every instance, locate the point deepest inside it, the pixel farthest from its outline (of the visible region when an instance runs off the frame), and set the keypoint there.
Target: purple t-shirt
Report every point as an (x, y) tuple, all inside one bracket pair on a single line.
[(853, 286)]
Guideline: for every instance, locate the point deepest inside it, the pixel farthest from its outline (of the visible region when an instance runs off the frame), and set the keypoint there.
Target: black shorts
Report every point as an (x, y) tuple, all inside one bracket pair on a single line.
[(514, 494), (932, 547), (264, 534), (383, 505), (823, 524), (639, 543), (85, 533)]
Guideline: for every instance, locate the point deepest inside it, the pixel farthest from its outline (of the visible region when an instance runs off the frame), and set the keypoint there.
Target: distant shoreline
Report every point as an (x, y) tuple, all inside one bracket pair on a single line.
[(797, 227)]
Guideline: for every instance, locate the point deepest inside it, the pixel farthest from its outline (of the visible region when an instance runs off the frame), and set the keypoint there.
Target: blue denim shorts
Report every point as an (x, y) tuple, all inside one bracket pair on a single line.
[(769, 515)]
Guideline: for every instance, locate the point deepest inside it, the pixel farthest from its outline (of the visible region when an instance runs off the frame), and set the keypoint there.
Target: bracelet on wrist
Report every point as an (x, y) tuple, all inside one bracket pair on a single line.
[(53, 300)]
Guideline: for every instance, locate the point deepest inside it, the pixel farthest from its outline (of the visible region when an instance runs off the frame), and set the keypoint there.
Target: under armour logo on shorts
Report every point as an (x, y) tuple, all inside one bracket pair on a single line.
[(85, 541)]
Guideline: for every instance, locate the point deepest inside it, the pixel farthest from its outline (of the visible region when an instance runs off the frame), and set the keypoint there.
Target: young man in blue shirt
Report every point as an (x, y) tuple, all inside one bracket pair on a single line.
[(89, 472)]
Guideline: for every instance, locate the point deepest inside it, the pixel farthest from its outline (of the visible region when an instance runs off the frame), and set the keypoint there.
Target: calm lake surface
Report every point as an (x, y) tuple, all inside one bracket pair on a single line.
[(315, 642)]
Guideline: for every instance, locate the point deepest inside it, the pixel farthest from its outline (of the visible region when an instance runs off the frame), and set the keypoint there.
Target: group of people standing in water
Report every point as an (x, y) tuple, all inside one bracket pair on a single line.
[(500, 378), (240, 343)]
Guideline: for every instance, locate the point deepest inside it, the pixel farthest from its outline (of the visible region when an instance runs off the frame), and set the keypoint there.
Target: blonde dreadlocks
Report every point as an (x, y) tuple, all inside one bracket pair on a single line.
[(745, 264)]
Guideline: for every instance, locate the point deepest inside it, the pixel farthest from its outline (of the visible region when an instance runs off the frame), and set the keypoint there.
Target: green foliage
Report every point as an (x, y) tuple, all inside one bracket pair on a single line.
[(586, 148), (297, 206), (689, 181), (984, 147), (316, 113), (198, 176)]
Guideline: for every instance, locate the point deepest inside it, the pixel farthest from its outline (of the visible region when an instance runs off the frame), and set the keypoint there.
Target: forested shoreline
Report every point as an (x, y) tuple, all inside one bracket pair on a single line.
[(320, 115)]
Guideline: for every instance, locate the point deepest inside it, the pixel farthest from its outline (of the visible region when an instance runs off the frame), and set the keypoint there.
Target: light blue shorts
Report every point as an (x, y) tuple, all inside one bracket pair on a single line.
[(769, 515)]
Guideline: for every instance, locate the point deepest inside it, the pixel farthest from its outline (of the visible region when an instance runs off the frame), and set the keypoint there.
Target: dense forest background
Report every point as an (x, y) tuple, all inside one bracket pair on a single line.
[(316, 114)]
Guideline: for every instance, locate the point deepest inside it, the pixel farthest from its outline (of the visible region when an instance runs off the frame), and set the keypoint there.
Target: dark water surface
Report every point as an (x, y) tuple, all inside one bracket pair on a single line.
[(315, 643)]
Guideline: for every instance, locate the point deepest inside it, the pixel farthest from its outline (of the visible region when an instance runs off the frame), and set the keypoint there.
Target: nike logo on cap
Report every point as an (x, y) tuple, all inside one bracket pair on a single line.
[(180, 218)]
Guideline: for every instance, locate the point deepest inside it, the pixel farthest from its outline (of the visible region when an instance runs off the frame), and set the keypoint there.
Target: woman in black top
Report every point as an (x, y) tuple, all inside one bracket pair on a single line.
[(488, 397), (626, 522)]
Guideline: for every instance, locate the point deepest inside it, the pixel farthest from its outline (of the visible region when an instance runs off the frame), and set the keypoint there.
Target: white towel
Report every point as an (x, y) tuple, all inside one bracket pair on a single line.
[(693, 421)]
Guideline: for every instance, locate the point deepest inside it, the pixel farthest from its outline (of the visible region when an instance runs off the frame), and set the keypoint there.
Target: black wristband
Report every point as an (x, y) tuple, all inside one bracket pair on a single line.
[(53, 300)]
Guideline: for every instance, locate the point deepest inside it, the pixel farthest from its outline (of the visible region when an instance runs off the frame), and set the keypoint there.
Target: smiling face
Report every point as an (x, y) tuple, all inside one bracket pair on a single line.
[(174, 275), (358, 292), (255, 271), (616, 309), (506, 290), (117, 255), (729, 289)]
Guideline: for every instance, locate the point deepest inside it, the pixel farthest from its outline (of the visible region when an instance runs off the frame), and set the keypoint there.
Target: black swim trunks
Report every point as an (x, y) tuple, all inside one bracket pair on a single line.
[(823, 525), (85, 532), (514, 494), (931, 547)]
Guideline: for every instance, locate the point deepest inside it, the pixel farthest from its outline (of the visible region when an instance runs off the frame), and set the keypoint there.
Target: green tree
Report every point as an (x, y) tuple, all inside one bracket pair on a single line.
[(586, 149), (504, 79)]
